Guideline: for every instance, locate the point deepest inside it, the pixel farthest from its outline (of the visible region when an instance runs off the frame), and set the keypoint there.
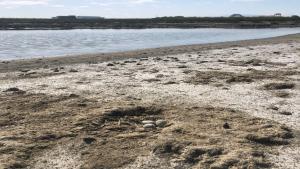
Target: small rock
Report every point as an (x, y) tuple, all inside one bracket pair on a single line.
[(226, 126), (73, 70), (73, 95), (110, 64), (161, 123), (286, 113), (149, 126), (56, 70), (13, 89), (24, 70), (148, 122), (272, 107), (182, 66), (89, 140)]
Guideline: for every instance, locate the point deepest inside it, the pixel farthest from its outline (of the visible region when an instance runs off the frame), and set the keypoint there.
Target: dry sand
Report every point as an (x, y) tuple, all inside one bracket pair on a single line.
[(234, 105)]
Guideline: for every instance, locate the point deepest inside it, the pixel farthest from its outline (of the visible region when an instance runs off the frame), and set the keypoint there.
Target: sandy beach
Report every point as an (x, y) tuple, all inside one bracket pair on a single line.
[(218, 106)]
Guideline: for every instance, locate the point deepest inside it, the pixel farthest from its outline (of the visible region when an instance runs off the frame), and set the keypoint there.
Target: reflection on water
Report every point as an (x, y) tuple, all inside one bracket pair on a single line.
[(47, 43)]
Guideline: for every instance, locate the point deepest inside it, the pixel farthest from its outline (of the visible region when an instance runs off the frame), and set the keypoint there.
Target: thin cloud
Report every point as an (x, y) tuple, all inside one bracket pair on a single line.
[(23, 2)]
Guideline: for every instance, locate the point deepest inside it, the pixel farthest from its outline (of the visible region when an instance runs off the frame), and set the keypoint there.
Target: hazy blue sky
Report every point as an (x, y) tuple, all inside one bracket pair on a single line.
[(146, 8)]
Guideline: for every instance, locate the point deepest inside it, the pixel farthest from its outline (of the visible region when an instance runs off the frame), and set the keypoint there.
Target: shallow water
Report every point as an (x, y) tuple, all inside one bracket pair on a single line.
[(47, 43)]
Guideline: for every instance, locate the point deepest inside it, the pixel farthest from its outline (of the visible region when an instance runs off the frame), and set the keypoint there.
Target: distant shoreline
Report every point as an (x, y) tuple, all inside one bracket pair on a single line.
[(163, 22), (15, 65)]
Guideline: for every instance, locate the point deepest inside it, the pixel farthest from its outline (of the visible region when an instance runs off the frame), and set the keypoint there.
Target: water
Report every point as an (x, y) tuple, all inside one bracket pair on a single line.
[(47, 43)]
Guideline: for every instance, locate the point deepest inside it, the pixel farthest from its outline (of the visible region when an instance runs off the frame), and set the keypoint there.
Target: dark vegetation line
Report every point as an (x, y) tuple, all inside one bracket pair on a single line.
[(162, 22)]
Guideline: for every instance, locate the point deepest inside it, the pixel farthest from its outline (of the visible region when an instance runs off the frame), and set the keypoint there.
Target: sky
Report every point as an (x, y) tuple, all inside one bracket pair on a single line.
[(145, 8)]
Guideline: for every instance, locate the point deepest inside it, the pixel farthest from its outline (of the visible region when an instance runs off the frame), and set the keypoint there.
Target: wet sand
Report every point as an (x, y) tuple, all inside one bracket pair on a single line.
[(226, 105)]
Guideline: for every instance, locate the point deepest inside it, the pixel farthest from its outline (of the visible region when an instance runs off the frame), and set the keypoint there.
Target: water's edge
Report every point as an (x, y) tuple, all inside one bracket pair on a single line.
[(39, 44)]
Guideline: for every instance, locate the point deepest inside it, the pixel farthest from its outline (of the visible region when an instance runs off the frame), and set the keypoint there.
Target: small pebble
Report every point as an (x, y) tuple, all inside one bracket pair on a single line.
[(226, 126), (148, 122), (286, 113), (149, 126)]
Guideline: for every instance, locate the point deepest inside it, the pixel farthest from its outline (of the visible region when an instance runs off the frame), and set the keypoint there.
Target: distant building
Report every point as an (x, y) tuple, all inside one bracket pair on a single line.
[(236, 16), (70, 17), (278, 15), (89, 17)]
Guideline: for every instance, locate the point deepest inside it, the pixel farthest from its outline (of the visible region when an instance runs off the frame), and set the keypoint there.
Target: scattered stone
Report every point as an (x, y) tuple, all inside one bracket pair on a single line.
[(277, 53), (24, 70), (286, 113), (254, 62), (161, 123), (182, 66), (73, 95), (279, 86), (89, 140), (13, 89), (56, 70), (73, 70), (48, 137), (272, 107), (170, 83), (154, 71), (149, 126), (282, 94), (130, 61), (159, 76), (187, 71), (226, 126), (132, 135), (152, 80), (148, 122), (110, 64), (200, 62), (82, 104)]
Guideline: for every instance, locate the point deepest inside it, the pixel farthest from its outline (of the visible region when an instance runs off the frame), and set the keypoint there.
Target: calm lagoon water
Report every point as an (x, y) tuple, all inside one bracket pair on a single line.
[(47, 43)]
